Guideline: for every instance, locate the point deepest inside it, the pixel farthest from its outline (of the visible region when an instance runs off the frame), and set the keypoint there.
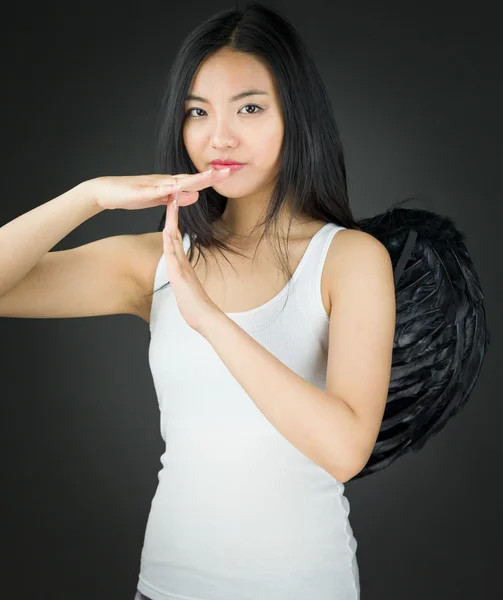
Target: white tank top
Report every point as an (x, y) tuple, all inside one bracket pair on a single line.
[(239, 512)]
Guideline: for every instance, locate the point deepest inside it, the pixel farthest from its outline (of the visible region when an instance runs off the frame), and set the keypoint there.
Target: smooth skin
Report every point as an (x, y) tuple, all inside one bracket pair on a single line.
[(102, 277)]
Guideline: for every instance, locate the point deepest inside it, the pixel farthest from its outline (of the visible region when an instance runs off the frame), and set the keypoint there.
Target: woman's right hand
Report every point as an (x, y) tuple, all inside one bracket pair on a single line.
[(146, 191)]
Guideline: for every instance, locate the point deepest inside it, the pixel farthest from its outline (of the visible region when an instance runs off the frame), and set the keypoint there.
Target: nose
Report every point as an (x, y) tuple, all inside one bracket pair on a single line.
[(223, 135)]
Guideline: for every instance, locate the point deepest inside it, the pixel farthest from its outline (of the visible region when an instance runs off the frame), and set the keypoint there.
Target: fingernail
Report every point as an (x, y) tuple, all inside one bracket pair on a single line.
[(226, 170), (172, 206), (208, 172)]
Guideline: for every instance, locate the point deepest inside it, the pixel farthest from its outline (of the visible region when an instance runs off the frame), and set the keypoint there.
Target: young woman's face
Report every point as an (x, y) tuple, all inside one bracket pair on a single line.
[(248, 130)]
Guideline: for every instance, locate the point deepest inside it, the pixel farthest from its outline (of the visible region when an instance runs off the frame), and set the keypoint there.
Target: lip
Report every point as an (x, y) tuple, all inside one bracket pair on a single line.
[(223, 161), (232, 166)]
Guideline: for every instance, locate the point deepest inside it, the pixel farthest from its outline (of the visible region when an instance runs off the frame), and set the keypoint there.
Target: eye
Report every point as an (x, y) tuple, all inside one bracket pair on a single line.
[(255, 106), (187, 113)]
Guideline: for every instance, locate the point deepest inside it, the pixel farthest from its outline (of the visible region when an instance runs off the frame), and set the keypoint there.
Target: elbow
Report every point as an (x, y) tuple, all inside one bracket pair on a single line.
[(349, 475), (346, 473), (343, 477)]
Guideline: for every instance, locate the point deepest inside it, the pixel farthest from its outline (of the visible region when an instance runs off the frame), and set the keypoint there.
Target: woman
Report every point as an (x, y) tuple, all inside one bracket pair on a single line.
[(250, 502), (271, 368)]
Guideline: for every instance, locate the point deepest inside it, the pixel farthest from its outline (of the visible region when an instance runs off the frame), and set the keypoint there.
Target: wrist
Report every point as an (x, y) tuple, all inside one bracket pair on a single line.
[(211, 322), (86, 191)]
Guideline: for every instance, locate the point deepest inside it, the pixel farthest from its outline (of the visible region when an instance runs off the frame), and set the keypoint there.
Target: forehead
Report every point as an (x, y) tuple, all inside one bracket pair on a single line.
[(229, 72)]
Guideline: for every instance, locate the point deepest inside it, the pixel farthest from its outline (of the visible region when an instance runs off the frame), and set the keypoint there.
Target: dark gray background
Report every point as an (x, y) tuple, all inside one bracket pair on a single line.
[(417, 93)]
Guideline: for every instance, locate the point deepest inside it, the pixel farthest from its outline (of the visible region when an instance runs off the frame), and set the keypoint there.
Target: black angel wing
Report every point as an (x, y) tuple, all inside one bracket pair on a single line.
[(441, 337)]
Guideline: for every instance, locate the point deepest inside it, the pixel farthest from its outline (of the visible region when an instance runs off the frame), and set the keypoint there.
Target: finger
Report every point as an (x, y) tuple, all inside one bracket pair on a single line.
[(184, 198), (175, 237), (167, 243), (157, 179), (198, 181), (163, 190), (174, 179), (175, 231)]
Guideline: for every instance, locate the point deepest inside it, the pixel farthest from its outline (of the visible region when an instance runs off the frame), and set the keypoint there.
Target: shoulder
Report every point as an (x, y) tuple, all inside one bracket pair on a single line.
[(352, 240), (353, 252)]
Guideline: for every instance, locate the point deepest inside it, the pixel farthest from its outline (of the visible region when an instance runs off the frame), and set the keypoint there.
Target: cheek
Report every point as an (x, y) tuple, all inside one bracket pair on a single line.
[(271, 141), (191, 145), (192, 139), (273, 131), (187, 136)]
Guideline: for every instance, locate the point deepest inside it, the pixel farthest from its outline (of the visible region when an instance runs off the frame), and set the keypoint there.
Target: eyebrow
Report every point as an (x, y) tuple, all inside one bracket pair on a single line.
[(232, 99)]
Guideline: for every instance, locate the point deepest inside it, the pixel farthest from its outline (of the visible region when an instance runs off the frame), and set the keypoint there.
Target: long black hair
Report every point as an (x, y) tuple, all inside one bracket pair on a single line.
[(441, 336), (312, 172)]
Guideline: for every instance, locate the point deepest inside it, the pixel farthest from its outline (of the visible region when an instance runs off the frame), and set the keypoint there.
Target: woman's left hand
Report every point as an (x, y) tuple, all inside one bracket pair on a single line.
[(193, 302)]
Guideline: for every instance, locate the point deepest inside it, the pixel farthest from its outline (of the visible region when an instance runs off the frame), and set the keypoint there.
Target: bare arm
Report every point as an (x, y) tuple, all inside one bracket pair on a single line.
[(26, 239), (102, 277), (113, 275)]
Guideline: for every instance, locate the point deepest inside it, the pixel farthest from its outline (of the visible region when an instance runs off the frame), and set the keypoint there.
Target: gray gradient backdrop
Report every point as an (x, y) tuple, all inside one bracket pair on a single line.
[(417, 93)]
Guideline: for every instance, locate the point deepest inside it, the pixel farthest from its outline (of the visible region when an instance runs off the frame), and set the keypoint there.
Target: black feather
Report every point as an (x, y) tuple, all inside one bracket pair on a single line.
[(441, 336)]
